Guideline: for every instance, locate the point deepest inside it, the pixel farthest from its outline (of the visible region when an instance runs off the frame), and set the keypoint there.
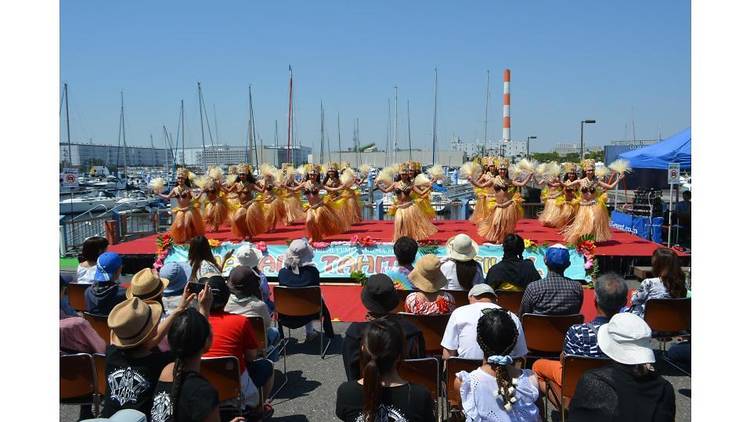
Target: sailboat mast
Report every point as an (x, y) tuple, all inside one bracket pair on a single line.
[(182, 120), (486, 107), (67, 125), (395, 134), (434, 121), (203, 135), (253, 141), (388, 137), (276, 133), (289, 121), (322, 136), (216, 126), (408, 125), (122, 118), (338, 124)]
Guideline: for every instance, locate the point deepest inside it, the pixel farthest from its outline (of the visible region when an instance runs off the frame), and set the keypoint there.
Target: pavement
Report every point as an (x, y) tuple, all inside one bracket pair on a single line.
[(310, 394)]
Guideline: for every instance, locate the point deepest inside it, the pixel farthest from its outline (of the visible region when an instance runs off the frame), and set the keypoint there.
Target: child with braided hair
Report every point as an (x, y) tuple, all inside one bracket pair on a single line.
[(497, 390)]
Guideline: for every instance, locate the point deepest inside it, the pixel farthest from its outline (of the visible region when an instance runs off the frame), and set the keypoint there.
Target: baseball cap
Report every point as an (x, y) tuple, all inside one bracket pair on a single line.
[(219, 289), (557, 256), (177, 273), (482, 289), (106, 266)]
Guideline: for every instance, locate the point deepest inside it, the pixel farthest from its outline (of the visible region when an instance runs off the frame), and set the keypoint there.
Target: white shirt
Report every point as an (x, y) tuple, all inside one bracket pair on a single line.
[(448, 268), (461, 332), (85, 274)]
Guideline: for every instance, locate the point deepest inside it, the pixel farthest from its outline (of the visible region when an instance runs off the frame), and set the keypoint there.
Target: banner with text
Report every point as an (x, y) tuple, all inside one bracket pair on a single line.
[(644, 227)]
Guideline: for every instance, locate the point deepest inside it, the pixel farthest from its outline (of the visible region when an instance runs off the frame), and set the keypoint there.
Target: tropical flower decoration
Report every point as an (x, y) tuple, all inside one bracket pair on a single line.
[(364, 242), (587, 248), (164, 244), (214, 243), (358, 277)]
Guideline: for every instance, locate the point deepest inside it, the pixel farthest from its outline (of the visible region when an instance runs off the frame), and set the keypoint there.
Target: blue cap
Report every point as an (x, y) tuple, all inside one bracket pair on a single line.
[(106, 266), (557, 256), (177, 273)]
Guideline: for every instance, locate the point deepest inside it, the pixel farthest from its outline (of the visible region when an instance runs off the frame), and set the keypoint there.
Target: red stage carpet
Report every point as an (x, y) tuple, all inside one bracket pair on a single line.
[(621, 244)]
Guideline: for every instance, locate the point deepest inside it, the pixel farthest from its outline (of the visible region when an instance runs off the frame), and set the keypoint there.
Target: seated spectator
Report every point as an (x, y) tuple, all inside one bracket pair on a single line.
[(428, 279), (92, 248), (299, 271), (512, 273), (106, 292), (460, 336), (381, 300), (233, 335), (250, 257), (627, 389), (182, 394), (76, 334), (497, 390), (554, 294), (244, 285), (381, 394), (177, 273), (65, 308), (680, 353), (669, 284), (147, 285), (460, 268), (133, 361), (202, 260), (405, 250), (610, 295)]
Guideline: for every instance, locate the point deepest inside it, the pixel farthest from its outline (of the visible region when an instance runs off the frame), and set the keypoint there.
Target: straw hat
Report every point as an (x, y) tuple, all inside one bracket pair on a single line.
[(146, 285), (427, 276), (132, 321), (626, 339), (462, 248)]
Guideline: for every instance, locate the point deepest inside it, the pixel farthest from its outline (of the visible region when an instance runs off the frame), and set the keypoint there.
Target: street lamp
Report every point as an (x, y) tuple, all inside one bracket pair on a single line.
[(582, 122), (528, 154)]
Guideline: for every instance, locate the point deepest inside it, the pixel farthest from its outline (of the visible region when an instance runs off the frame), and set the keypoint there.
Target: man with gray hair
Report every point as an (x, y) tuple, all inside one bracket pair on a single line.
[(610, 295)]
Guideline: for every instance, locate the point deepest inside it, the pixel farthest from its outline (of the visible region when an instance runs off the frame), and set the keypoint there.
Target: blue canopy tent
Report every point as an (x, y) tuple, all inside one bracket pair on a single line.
[(675, 149)]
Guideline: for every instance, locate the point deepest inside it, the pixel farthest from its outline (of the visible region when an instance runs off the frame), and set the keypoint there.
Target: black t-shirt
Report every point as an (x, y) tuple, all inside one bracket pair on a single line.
[(197, 399), (131, 380), (405, 403), (308, 276), (512, 270)]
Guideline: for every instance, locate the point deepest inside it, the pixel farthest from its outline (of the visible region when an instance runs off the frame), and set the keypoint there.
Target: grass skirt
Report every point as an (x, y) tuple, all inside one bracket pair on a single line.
[(501, 221), (255, 218), (481, 208), (216, 212), (550, 215), (293, 210), (591, 218), (186, 224), (321, 221), (339, 205), (352, 204), (410, 220), (274, 210)]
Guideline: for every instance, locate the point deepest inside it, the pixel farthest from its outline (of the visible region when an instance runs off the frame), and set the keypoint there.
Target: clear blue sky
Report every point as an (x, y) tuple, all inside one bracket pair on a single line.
[(611, 61)]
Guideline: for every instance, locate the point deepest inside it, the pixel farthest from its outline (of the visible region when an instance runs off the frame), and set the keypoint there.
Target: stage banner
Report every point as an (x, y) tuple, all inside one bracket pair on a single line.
[(640, 226), (340, 259)]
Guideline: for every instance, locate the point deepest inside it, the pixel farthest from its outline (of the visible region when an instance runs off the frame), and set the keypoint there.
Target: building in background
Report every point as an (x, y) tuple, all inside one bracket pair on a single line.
[(378, 158), (87, 155), (226, 155)]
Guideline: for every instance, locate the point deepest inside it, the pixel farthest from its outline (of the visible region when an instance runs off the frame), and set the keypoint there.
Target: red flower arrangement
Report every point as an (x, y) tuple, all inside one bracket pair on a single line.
[(261, 246), (164, 244), (365, 242), (587, 248)]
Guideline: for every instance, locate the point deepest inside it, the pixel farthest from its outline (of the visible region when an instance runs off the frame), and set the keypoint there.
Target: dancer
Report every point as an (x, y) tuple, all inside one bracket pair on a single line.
[(569, 200), (248, 220), (483, 194), (293, 209), (422, 196), (350, 192), (508, 209), (186, 219), (216, 210), (320, 218), (409, 219), (334, 189), (274, 209), (592, 217), (552, 195)]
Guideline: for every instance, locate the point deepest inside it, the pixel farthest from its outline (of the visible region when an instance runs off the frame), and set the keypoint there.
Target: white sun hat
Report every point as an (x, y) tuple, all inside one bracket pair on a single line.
[(462, 248), (626, 339)]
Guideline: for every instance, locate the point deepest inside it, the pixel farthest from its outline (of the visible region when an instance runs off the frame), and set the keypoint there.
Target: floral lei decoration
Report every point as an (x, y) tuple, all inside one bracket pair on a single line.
[(358, 277), (164, 244)]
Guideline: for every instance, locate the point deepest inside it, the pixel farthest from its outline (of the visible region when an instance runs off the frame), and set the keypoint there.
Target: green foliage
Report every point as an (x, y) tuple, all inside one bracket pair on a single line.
[(358, 277)]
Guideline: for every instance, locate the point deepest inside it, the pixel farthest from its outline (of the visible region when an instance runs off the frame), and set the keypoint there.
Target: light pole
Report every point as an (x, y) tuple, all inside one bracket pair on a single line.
[(582, 122), (528, 138)]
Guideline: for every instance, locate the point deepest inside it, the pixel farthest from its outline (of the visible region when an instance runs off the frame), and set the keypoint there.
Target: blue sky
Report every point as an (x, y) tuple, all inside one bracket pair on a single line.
[(611, 61)]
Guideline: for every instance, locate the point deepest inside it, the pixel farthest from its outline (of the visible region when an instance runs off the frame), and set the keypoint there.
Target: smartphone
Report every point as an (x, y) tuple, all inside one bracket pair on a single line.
[(195, 287)]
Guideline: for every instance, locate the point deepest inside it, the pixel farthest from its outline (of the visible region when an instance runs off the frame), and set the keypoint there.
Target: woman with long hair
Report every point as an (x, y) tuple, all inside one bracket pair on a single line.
[(460, 267), (502, 219), (408, 218), (92, 248), (216, 210), (335, 197), (552, 195), (481, 192), (497, 390), (202, 260), (320, 218), (569, 199), (186, 220), (350, 192), (668, 283), (381, 394), (248, 220)]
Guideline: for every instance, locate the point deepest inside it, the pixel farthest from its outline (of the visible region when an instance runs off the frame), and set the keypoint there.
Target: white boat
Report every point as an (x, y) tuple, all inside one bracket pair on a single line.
[(101, 202), (132, 202)]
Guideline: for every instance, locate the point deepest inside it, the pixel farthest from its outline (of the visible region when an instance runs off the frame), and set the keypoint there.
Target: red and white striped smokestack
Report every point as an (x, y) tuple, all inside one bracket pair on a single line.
[(506, 106)]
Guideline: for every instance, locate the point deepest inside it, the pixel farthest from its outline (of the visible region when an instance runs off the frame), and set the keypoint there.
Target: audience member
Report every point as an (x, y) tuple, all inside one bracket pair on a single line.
[(147, 285), (244, 285), (460, 336), (680, 353), (627, 389), (178, 274), (250, 257), (76, 334), (92, 248), (381, 300), (405, 250), (554, 294), (382, 394), (65, 308), (106, 292), (610, 295), (202, 260), (513, 272), (124, 415), (669, 282), (428, 279), (497, 390), (299, 271), (460, 268), (133, 361), (233, 336), (182, 394)]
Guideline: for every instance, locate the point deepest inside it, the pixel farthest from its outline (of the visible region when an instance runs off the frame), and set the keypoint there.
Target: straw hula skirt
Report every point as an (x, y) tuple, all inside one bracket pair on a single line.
[(551, 214), (274, 209), (481, 208), (293, 210), (592, 218), (186, 224), (321, 221), (411, 220), (502, 220), (352, 205), (216, 212), (248, 220)]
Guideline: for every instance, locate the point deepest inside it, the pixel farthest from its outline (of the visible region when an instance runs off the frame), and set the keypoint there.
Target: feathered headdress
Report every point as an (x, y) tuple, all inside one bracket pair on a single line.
[(302, 170), (202, 181), (541, 170), (403, 167), (385, 175), (267, 170), (183, 172), (437, 172), (470, 169), (157, 185), (502, 163), (330, 166), (415, 165), (487, 161), (216, 173), (244, 168), (552, 170), (569, 168), (347, 177), (621, 166), (601, 171), (421, 180), (312, 168), (588, 164), (365, 169), (526, 166)]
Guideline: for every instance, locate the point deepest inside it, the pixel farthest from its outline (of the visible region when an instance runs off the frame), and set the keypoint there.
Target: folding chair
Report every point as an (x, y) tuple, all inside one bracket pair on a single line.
[(99, 323), (100, 363), (78, 380), (432, 328), (509, 300), (573, 368), (425, 372), (224, 375), (453, 366), (76, 295), (668, 318), (545, 334), (461, 297)]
